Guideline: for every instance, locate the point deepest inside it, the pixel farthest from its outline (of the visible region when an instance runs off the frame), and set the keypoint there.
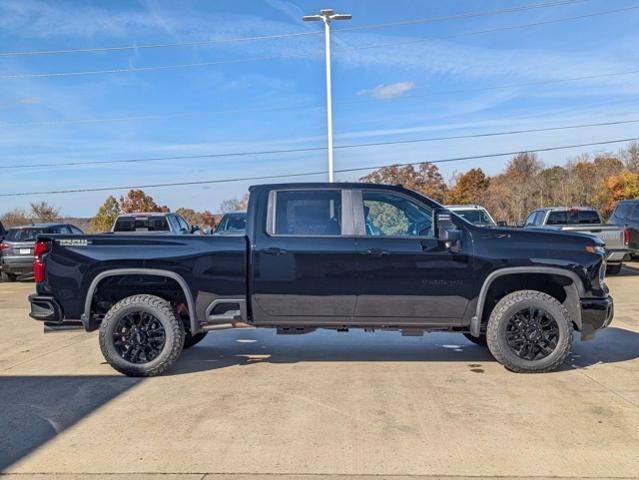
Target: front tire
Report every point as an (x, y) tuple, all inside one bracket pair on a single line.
[(141, 336), (529, 332)]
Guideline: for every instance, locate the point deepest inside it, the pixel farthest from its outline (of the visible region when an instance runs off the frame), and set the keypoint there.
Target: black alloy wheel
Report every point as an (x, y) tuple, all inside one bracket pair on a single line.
[(532, 333), (139, 337)]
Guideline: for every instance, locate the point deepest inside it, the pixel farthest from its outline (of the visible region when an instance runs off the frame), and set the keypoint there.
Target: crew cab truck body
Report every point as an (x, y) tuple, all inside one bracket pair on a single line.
[(585, 220), (336, 256)]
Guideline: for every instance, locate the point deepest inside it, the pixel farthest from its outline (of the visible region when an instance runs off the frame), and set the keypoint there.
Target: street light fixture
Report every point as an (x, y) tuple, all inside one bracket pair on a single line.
[(327, 15)]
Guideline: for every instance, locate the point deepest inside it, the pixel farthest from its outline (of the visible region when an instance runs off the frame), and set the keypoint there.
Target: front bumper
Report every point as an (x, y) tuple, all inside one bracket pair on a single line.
[(596, 313)]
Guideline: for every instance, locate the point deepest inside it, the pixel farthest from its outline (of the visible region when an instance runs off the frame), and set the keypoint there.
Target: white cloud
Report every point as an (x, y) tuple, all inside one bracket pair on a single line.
[(386, 92)]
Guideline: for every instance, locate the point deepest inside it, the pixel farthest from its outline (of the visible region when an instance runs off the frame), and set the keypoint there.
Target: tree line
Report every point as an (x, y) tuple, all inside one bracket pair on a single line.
[(526, 183)]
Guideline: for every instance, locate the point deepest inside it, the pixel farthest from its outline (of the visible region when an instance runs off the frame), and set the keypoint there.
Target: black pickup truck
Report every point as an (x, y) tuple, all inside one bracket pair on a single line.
[(322, 255)]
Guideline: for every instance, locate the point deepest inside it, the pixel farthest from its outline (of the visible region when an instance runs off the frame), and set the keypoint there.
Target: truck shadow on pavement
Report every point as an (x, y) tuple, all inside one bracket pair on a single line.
[(223, 350), (34, 409)]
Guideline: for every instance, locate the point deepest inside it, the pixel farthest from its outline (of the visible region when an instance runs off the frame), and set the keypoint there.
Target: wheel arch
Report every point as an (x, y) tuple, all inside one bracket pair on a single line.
[(574, 290), (89, 323)]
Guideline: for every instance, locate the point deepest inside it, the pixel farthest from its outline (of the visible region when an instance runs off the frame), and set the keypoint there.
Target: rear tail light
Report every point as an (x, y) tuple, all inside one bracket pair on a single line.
[(3, 247), (39, 267), (626, 236)]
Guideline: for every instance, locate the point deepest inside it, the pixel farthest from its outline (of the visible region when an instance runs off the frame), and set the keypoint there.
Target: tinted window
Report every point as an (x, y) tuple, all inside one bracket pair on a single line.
[(476, 216), (556, 218), (389, 214), (23, 234), (138, 224), (312, 212), (76, 230), (63, 229), (589, 216)]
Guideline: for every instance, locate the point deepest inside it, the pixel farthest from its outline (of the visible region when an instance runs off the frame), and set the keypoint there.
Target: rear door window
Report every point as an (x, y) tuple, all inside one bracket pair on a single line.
[(308, 213)]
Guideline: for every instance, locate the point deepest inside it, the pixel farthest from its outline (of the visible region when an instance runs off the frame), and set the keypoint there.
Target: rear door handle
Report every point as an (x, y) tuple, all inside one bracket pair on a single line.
[(274, 251), (375, 252)]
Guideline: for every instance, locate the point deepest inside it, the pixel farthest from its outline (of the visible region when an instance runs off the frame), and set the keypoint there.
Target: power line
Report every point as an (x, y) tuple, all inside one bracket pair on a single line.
[(292, 34), (306, 174), (315, 149), (308, 106), (283, 57)]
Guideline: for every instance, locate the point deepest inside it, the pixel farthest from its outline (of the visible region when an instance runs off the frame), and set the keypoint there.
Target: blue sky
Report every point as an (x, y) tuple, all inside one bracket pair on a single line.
[(422, 80)]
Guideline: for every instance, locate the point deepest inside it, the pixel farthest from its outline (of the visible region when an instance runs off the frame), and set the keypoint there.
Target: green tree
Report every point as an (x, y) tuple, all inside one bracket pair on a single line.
[(107, 213)]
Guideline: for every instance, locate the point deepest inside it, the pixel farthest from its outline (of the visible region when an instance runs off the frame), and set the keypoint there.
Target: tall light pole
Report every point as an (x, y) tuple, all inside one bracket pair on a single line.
[(327, 15)]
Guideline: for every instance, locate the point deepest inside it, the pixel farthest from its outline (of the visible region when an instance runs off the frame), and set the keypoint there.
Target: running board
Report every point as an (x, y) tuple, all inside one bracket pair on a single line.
[(51, 327)]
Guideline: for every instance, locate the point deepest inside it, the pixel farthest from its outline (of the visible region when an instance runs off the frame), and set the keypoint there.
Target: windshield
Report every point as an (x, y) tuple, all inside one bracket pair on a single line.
[(476, 216), (24, 234), (141, 224)]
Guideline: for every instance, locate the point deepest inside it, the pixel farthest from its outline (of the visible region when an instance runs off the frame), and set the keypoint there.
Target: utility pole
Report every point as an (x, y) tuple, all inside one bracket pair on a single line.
[(327, 15)]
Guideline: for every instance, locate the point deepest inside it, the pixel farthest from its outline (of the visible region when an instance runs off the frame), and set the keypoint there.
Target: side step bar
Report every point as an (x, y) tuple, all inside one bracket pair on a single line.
[(52, 327)]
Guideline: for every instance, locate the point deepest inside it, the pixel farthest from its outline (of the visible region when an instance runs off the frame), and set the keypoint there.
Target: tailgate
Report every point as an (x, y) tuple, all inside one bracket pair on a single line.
[(612, 236)]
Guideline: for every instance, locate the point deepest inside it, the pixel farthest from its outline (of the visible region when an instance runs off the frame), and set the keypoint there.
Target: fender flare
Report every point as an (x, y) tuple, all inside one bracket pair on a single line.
[(475, 323), (86, 316)]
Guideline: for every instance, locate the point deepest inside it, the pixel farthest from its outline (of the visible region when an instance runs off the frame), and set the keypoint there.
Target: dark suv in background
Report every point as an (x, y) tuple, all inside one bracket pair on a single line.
[(626, 214), (17, 248)]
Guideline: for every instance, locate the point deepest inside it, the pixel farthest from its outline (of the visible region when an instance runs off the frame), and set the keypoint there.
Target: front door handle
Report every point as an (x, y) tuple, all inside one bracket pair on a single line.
[(274, 251), (375, 252)]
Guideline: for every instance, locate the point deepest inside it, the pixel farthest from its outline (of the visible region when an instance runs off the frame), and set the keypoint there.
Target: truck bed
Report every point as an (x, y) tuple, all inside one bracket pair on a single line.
[(212, 267)]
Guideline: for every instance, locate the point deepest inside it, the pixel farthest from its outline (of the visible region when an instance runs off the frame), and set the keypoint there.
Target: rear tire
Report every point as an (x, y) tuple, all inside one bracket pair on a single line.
[(613, 269), (191, 340), (530, 332), (9, 277), (481, 340), (140, 336)]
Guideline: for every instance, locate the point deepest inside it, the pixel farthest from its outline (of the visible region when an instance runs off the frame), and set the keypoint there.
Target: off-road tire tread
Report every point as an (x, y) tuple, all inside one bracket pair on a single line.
[(496, 316), (164, 308)]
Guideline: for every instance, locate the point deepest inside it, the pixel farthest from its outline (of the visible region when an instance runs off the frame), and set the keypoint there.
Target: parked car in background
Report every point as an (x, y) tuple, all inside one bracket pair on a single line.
[(585, 220), (475, 214), (3, 232), (232, 224), (152, 222), (17, 248), (626, 214)]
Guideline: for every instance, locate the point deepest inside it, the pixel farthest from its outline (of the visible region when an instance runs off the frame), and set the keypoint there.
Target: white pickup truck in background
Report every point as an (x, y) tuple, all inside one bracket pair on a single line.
[(585, 220)]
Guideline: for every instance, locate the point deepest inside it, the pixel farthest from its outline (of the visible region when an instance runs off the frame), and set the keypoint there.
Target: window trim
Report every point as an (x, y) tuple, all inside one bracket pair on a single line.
[(347, 213), (361, 223)]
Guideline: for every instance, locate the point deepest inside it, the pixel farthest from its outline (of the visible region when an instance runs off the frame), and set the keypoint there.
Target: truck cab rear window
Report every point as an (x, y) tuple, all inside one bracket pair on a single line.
[(141, 224), (573, 217), (310, 212)]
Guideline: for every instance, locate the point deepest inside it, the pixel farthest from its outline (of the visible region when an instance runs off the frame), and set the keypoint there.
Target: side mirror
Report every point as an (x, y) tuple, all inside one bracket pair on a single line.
[(195, 228), (502, 223), (447, 231)]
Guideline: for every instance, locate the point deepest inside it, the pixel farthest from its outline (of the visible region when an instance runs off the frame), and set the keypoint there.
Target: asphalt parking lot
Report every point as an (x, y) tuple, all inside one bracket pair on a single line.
[(250, 404)]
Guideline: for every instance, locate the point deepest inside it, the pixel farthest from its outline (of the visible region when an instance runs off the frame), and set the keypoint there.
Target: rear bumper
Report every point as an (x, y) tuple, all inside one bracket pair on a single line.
[(17, 265), (45, 309), (596, 313)]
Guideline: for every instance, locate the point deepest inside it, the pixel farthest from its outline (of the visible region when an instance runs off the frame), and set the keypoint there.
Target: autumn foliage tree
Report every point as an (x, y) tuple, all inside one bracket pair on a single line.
[(618, 187), (468, 188), (15, 218), (426, 179), (138, 201)]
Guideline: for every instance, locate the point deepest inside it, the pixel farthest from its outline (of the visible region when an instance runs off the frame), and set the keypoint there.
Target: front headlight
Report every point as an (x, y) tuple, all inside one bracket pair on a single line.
[(596, 249)]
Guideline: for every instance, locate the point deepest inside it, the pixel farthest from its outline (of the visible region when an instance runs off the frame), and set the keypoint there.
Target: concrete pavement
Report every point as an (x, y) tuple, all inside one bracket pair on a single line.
[(251, 404)]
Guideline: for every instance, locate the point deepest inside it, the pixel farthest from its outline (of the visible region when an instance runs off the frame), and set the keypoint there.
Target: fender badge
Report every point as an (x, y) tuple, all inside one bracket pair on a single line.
[(74, 242)]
